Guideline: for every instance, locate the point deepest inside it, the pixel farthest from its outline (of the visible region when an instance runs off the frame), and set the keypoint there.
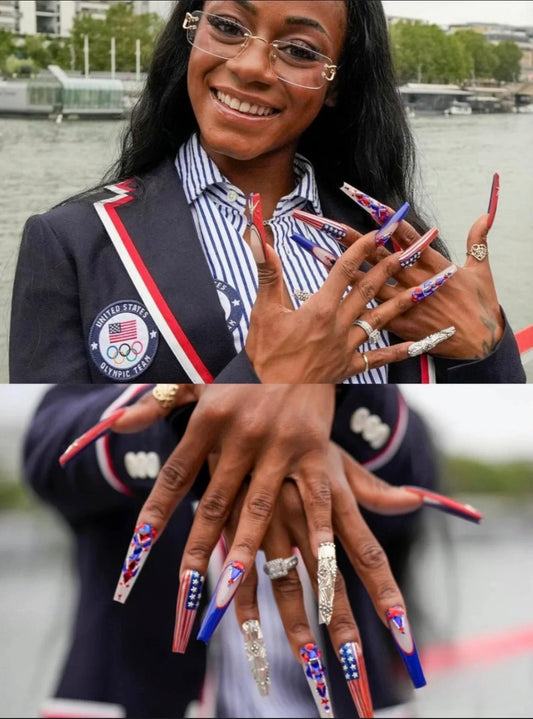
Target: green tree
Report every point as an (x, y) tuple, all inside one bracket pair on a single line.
[(126, 27), (35, 49), (482, 53), (7, 47), (508, 56)]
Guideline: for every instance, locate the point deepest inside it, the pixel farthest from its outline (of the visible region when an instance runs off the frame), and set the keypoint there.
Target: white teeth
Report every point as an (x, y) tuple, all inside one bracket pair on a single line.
[(244, 107)]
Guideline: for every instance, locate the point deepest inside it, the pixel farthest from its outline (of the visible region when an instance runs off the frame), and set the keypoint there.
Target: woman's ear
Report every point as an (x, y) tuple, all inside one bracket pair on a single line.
[(331, 95)]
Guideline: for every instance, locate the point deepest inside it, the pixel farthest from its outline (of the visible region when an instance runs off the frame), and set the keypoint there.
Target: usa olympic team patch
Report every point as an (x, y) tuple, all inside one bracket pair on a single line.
[(231, 304), (123, 340)]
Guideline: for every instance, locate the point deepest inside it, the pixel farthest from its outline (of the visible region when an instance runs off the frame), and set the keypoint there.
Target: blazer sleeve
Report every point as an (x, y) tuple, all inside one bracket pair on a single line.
[(112, 473), (238, 371), (45, 335)]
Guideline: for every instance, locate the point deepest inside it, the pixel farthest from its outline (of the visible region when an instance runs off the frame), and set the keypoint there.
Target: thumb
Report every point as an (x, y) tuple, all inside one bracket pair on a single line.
[(270, 279)]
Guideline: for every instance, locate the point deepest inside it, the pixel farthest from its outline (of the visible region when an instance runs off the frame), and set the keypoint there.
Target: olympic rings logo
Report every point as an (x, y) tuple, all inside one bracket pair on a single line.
[(124, 352)]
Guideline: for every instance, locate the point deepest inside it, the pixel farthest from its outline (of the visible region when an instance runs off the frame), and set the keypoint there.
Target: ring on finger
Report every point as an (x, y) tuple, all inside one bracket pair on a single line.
[(365, 358), (165, 394), (479, 251), (372, 334), (280, 567)]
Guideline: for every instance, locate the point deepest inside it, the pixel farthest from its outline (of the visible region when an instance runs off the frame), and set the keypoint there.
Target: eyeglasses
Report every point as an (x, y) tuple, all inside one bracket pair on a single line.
[(292, 62)]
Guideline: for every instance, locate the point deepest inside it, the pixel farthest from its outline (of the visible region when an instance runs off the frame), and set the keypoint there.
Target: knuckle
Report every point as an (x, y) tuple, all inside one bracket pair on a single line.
[(349, 267), (247, 546), (260, 506), (342, 622), (298, 628), (288, 587), (372, 556), (366, 290), (200, 550), (388, 594), (154, 510), (214, 507), (173, 477)]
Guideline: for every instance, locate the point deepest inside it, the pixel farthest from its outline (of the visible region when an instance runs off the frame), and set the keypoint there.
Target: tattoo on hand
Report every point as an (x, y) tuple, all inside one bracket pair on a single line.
[(487, 318)]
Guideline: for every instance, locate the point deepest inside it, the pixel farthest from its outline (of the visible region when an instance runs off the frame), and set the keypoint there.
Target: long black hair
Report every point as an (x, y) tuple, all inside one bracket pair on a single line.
[(364, 139)]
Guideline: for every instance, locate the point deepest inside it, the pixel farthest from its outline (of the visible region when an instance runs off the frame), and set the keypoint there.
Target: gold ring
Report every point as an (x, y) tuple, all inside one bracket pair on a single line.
[(366, 361), (479, 251), (165, 394)]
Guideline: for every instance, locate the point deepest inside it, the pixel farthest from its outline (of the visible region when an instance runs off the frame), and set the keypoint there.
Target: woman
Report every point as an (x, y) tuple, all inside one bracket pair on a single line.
[(154, 278)]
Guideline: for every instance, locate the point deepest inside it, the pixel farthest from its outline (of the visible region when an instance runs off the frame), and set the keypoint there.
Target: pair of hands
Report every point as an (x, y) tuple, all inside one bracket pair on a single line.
[(318, 342)]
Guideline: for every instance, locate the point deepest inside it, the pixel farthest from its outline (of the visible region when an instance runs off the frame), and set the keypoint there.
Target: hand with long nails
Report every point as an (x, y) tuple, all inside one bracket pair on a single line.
[(469, 302), (319, 341)]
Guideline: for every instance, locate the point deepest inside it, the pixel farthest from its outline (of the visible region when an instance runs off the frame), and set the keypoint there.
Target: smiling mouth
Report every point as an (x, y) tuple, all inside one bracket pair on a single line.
[(244, 107)]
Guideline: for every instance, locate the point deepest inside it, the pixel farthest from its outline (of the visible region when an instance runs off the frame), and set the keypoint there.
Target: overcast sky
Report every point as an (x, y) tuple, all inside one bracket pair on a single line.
[(447, 12)]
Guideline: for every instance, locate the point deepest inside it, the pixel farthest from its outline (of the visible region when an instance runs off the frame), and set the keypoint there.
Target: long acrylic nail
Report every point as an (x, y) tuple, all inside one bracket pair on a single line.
[(327, 258), (257, 229), (140, 546), (189, 595), (229, 581), (384, 234), (257, 656), (379, 212), (353, 665), (333, 229), (446, 504), (90, 436), (413, 253), (426, 344), (432, 285), (316, 678), (327, 571), (493, 201), (402, 635)]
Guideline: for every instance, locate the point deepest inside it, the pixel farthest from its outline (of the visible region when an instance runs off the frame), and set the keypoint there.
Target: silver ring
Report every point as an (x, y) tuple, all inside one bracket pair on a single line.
[(366, 361), (479, 251), (372, 334), (278, 568)]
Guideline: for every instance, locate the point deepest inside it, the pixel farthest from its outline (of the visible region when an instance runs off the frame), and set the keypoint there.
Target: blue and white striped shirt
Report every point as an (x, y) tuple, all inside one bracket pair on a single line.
[(218, 209)]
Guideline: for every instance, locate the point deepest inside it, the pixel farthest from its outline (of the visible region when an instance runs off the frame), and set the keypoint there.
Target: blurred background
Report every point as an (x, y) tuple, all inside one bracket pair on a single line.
[(473, 584)]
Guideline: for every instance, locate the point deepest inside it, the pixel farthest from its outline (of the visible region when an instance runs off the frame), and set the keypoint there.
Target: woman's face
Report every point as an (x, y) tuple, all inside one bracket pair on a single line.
[(213, 83)]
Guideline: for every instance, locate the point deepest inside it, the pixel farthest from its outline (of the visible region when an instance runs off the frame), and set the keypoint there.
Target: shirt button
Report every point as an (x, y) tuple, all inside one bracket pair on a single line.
[(232, 196)]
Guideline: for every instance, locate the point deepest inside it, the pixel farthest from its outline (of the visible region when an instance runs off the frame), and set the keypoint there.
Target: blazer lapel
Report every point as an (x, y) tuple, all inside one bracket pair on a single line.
[(152, 228)]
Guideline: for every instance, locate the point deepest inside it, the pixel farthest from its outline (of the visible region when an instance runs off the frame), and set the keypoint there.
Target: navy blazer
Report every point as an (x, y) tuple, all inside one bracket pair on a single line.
[(70, 285), (121, 654)]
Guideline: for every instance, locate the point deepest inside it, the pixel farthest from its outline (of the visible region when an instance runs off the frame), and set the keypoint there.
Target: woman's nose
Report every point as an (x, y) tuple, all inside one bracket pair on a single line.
[(252, 63)]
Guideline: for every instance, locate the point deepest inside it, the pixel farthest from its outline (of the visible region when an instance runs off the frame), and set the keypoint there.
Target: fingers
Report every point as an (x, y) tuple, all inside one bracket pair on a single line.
[(148, 410), (476, 245), (371, 564)]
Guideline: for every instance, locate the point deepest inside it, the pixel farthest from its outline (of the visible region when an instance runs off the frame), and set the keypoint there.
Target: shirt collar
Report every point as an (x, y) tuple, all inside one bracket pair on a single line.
[(198, 172)]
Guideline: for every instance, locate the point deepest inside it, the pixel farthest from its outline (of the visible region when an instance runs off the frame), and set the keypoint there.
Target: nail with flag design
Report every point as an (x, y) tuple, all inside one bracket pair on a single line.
[(355, 674), (379, 212), (446, 504), (140, 546), (335, 230), (189, 595), (316, 678), (90, 436), (402, 635), (257, 229)]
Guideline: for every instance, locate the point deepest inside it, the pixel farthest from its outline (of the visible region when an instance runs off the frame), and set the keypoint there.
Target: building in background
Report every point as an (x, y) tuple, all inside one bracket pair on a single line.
[(55, 17)]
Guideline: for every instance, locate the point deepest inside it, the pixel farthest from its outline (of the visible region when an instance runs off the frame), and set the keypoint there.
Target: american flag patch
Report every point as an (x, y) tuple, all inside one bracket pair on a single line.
[(123, 331)]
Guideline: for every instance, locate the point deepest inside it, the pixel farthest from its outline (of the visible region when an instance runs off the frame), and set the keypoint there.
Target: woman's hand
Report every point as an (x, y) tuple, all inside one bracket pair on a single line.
[(469, 302), (319, 341)]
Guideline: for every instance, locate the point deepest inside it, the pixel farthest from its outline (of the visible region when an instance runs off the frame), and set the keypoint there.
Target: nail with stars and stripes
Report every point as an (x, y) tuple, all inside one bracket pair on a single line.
[(137, 554), (354, 669), (402, 635), (384, 234), (229, 581), (413, 253), (258, 241), (189, 595), (335, 230), (316, 678)]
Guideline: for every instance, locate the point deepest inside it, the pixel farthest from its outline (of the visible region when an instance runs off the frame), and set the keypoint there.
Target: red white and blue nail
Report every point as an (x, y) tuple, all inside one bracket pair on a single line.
[(189, 595), (326, 257), (229, 581), (384, 234), (380, 212), (493, 200), (316, 678), (403, 637), (413, 253), (90, 436), (446, 504), (140, 546), (432, 285), (257, 228), (353, 666), (333, 229)]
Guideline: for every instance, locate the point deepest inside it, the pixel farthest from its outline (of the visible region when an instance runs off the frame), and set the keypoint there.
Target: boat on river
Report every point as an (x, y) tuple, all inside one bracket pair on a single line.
[(458, 108)]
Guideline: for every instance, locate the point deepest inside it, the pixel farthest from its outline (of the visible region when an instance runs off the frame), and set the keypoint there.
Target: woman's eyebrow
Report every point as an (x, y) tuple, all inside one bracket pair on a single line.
[(305, 21)]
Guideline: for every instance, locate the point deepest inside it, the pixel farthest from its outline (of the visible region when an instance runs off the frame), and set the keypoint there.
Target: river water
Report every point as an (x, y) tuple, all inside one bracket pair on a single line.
[(42, 162)]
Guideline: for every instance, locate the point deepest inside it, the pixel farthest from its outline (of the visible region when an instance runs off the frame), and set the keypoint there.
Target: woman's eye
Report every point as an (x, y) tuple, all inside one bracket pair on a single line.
[(295, 51), (226, 27)]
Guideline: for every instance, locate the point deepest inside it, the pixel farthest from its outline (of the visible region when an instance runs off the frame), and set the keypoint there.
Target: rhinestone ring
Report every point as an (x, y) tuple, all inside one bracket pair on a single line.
[(478, 251), (165, 394), (278, 568), (372, 334)]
